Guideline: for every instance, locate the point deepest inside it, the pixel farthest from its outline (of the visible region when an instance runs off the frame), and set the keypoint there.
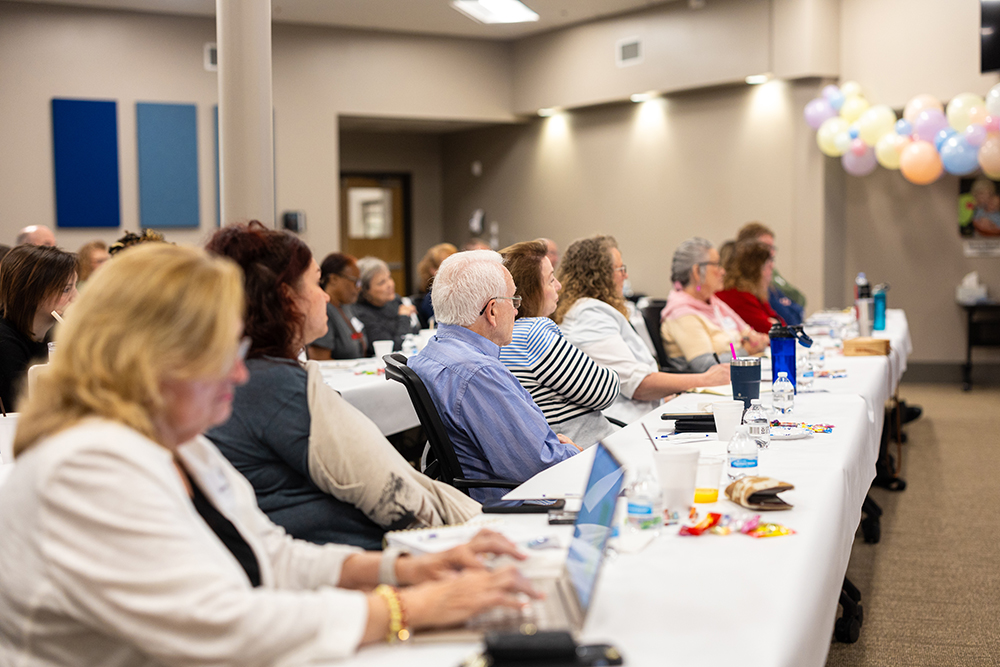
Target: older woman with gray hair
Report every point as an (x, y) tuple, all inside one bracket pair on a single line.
[(698, 327), (385, 314)]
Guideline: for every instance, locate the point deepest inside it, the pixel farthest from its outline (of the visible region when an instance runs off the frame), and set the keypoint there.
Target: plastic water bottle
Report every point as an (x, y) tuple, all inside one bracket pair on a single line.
[(783, 394), (808, 374), (645, 502), (741, 459), (758, 423), (409, 346)]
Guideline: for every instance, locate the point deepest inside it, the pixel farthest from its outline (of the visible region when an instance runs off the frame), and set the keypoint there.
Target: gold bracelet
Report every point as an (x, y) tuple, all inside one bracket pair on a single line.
[(399, 629)]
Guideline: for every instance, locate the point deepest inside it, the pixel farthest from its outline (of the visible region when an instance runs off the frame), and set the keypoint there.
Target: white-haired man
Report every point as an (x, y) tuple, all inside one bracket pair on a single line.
[(497, 430), (36, 235)]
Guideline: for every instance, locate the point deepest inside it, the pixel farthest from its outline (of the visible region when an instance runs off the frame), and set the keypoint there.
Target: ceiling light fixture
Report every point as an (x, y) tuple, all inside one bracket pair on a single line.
[(644, 97), (495, 11), (548, 111), (757, 79)]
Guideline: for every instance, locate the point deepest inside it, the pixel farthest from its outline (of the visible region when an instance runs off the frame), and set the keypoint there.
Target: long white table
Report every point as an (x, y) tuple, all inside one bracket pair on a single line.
[(732, 599), (361, 384)]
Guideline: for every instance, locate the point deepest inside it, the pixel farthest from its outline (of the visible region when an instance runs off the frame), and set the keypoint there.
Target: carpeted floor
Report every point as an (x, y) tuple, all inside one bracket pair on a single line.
[(931, 587)]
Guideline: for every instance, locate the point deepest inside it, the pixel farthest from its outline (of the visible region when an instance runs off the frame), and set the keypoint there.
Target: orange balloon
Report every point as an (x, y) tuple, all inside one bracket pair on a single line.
[(920, 163), (978, 115), (918, 104), (989, 157)]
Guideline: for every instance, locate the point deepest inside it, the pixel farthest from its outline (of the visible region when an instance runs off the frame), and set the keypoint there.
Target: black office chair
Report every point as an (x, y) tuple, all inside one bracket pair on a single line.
[(442, 463), (651, 316)]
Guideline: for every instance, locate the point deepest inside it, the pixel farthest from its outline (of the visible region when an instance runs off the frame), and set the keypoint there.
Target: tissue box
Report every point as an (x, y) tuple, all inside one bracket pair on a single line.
[(866, 347), (970, 294)]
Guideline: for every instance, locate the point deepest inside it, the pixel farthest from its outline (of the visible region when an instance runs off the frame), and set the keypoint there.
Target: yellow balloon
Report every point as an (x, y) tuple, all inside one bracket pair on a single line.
[(875, 123), (889, 148), (989, 157), (918, 104), (826, 136), (963, 108), (851, 89), (853, 108)]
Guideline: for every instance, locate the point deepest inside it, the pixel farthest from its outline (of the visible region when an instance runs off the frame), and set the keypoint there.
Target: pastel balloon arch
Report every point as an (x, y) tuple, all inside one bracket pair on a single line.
[(927, 141)]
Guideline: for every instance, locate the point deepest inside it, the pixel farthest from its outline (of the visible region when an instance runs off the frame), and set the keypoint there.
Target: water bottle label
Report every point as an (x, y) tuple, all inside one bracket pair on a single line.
[(742, 463), (634, 508)]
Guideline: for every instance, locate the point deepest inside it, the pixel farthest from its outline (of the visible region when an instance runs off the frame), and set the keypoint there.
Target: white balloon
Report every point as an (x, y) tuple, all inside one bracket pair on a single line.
[(993, 101)]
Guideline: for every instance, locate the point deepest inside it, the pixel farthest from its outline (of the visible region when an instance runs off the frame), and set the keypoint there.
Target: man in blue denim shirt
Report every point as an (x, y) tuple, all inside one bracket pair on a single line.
[(497, 430)]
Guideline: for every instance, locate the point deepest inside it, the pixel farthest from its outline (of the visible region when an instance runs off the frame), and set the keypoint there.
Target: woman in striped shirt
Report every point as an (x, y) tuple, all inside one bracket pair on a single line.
[(568, 386)]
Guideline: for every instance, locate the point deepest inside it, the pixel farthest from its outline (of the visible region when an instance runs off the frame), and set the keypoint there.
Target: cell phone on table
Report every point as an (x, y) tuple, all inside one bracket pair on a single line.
[(522, 506)]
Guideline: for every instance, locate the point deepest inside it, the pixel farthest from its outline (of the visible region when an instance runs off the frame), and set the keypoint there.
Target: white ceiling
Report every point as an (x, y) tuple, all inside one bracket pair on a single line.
[(434, 17)]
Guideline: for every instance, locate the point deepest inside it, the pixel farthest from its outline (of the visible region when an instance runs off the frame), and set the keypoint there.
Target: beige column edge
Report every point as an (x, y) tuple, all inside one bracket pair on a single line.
[(246, 127)]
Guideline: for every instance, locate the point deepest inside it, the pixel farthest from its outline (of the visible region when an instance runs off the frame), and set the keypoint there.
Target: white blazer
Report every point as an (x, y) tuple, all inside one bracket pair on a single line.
[(105, 561)]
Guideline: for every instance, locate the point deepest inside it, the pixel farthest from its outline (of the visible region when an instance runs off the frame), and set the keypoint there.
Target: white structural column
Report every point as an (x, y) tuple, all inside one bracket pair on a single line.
[(246, 142)]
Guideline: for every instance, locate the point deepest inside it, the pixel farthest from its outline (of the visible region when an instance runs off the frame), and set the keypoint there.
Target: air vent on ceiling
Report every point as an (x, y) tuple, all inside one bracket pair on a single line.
[(211, 57), (628, 51)]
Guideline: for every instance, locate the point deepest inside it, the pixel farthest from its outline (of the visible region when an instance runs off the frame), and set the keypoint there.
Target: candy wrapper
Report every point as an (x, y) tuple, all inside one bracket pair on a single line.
[(770, 530), (815, 428), (707, 523), (740, 522)]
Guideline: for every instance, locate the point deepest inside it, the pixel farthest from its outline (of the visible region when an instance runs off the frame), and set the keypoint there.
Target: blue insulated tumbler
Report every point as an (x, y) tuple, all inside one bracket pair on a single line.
[(783, 343)]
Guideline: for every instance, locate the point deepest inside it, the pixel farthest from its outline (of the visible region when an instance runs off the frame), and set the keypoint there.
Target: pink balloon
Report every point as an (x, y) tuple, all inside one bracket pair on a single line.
[(859, 164), (992, 124), (928, 123), (817, 111), (858, 147), (975, 135)]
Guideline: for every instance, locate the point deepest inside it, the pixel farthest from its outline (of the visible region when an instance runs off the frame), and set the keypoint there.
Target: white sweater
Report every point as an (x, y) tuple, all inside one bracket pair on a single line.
[(607, 337), (105, 561)]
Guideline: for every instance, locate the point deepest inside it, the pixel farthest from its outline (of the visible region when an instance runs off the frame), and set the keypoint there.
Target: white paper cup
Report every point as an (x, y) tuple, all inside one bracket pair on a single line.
[(728, 415), (8, 425), (382, 348), (677, 470)]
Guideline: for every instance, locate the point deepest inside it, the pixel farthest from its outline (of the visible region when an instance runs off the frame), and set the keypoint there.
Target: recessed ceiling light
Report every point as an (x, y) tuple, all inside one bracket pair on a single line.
[(757, 79), (644, 97), (495, 11), (548, 111)]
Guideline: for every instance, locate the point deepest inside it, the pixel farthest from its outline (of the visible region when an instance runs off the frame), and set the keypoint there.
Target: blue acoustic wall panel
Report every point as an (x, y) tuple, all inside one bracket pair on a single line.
[(85, 156), (168, 164)]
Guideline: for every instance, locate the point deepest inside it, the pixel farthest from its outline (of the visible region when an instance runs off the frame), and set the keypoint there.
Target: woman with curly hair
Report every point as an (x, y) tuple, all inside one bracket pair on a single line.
[(748, 275), (592, 316)]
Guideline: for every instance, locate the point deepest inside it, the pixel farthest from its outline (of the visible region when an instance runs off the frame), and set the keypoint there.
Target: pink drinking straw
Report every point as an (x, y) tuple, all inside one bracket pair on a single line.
[(732, 349)]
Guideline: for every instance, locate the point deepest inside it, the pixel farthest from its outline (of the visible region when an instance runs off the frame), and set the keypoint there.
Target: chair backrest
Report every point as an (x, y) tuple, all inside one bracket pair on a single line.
[(651, 315), (445, 466)]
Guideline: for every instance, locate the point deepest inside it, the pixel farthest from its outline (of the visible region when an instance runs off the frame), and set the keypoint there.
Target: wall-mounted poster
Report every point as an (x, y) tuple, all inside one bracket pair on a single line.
[(979, 216)]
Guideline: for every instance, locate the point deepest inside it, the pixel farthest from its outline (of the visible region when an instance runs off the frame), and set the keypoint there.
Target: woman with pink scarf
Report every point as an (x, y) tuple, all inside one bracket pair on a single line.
[(698, 327)]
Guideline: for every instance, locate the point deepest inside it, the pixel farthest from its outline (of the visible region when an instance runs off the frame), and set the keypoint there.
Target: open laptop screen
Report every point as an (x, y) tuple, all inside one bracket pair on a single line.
[(593, 524)]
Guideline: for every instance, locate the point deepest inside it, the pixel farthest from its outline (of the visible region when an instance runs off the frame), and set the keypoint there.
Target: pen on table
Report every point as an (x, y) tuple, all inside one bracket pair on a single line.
[(716, 355)]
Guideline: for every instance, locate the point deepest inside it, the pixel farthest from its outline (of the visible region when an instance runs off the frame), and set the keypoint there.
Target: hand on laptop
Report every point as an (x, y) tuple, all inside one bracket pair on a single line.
[(467, 556), (462, 596)]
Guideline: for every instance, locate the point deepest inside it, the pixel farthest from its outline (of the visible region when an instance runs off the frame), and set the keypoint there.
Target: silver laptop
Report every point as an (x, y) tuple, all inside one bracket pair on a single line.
[(567, 597)]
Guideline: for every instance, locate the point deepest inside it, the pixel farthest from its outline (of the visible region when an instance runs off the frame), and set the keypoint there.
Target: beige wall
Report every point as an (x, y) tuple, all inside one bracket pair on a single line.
[(418, 155), (319, 74), (652, 174)]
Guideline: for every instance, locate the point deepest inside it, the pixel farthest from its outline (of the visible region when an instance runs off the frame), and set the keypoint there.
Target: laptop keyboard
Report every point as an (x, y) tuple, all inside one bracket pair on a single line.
[(543, 614)]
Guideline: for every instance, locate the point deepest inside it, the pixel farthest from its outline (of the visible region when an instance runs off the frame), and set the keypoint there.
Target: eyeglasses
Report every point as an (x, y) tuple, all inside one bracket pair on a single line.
[(622, 268), (241, 353), (516, 300), (709, 264), (356, 281)]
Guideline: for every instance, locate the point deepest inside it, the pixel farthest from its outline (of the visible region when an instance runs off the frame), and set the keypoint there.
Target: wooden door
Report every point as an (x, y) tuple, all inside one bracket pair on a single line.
[(374, 220)]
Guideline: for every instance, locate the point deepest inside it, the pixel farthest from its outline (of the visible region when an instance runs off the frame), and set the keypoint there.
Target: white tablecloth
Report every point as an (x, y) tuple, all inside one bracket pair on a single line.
[(734, 600), (384, 401)]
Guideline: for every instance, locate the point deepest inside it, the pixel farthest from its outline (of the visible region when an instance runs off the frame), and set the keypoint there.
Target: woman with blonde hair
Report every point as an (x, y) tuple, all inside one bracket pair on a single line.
[(593, 317), (129, 540), (426, 270)]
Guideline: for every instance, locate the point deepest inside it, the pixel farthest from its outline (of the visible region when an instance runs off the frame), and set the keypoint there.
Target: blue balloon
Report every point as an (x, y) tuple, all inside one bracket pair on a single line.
[(943, 136), (853, 132), (904, 127), (958, 157), (836, 99)]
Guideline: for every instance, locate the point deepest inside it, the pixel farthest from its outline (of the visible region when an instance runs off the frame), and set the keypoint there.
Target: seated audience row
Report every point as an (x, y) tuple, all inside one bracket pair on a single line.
[(134, 541)]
